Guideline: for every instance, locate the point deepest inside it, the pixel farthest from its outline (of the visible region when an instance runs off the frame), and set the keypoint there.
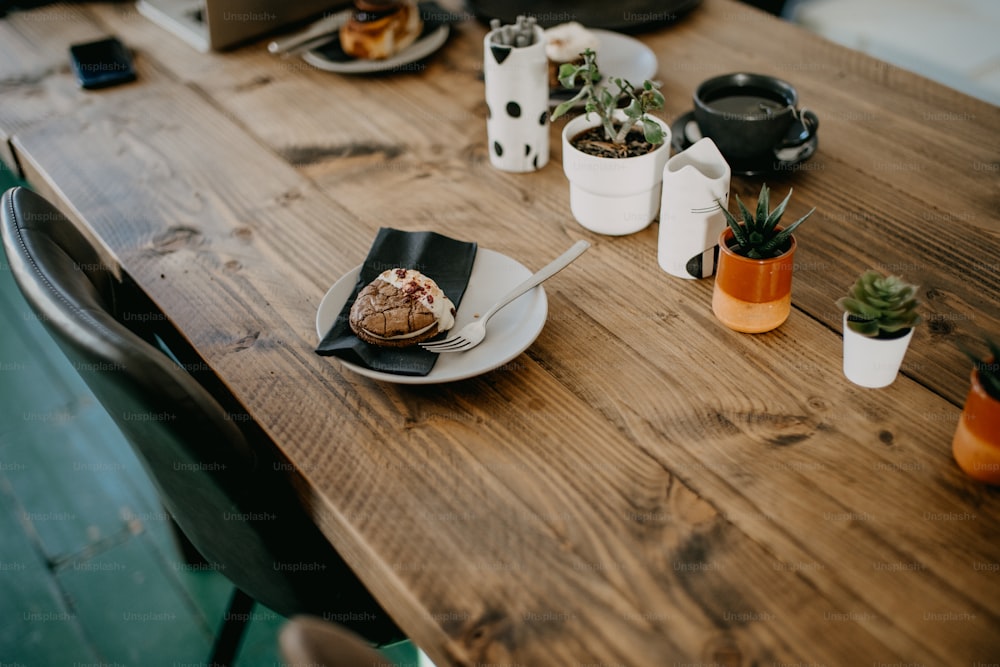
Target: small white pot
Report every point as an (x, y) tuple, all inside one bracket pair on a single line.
[(613, 196), (873, 362)]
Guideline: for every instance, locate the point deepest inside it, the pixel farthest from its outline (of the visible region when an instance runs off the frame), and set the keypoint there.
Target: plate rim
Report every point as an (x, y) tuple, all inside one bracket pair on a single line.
[(435, 377), (637, 44), (420, 49), (624, 39)]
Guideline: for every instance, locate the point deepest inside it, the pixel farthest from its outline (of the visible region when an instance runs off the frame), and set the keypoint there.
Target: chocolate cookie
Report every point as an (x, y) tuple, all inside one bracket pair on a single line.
[(400, 308)]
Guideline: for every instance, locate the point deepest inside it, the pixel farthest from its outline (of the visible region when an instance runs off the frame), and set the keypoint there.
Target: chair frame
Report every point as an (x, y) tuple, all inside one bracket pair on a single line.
[(209, 460)]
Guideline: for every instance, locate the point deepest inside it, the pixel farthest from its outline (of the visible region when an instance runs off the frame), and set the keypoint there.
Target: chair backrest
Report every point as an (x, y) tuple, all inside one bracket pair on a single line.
[(222, 487), (307, 640)]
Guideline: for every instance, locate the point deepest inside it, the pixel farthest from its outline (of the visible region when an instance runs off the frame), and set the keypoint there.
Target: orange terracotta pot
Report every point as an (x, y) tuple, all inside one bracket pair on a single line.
[(752, 295), (976, 445)]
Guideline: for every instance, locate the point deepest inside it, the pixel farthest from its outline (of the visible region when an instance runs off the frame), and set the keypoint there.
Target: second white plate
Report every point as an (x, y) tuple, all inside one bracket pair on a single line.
[(620, 56), (423, 47)]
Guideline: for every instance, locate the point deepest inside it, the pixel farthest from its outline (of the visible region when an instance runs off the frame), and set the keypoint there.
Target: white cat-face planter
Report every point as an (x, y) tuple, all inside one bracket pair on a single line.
[(695, 181)]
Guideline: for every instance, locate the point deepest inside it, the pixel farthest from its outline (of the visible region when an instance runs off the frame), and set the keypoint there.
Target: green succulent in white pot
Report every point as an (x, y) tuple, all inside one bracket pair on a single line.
[(613, 154), (880, 314)]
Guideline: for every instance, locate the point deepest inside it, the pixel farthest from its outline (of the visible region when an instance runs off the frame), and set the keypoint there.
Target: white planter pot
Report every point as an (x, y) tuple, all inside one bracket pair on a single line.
[(691, 220), (873, 362), (613, 196)]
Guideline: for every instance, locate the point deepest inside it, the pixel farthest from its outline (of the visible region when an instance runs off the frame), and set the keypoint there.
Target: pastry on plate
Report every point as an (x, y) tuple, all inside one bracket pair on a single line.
[(400, 308), (563, 44), (379, 29)]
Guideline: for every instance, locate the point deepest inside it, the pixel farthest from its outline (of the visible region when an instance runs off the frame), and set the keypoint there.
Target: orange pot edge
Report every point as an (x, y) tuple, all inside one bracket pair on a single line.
[(976, 444), (754, 280)]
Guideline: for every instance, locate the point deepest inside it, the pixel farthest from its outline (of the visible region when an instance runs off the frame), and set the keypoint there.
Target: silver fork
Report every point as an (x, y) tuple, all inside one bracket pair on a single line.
[(473, 333)]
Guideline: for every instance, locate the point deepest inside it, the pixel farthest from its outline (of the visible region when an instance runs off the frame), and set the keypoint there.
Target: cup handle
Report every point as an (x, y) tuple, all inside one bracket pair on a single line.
[(802, 130)]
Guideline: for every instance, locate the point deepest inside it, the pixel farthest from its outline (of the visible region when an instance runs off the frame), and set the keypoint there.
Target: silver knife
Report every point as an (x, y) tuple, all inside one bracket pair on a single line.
[(309, 37)]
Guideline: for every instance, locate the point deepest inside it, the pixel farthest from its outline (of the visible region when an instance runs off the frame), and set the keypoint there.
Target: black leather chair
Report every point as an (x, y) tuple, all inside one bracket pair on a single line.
[(307, 640), (215, 473)]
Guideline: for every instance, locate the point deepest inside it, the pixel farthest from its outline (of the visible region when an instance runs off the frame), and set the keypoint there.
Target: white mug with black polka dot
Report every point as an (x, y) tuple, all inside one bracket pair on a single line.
[(517, 101)]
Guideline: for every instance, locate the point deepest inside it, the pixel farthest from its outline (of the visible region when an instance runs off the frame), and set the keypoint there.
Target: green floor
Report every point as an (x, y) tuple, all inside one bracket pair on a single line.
[(89, 573)]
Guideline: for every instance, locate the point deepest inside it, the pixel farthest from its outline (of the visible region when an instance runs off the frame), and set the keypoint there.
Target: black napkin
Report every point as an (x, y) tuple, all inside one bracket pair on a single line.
[(433, 14), (445, 260)]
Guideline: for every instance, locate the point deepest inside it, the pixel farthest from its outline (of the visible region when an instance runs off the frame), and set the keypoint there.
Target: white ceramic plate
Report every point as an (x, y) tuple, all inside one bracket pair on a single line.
[(421, 48), (509, 332), (621, 56)]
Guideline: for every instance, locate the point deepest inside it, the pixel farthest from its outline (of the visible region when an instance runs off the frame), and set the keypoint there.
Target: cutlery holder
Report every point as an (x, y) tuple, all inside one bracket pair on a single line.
[(517, 100)]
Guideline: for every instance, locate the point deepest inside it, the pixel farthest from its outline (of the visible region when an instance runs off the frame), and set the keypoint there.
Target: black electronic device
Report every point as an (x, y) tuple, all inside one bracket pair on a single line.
[(106, 62)]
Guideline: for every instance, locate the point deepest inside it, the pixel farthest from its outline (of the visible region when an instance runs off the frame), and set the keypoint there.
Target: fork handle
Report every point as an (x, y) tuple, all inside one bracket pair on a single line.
[(543, 274)]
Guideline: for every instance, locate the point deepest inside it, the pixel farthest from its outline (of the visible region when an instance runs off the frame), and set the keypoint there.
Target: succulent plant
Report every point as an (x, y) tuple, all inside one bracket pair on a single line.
[(603, 102), (881, 306), (758, 237), (987, 368)]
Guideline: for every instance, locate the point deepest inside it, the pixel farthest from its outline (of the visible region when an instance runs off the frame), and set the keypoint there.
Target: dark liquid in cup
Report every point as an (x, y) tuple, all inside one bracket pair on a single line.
[(747, 102)]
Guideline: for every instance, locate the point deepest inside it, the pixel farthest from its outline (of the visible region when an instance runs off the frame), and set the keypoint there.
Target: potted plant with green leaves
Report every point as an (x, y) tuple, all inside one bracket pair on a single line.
[(976, 444), (753, 281), (613, 154), (880, 313)]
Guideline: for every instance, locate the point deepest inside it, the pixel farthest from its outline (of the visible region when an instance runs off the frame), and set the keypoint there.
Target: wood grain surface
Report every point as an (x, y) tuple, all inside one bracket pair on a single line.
[(642, 486)]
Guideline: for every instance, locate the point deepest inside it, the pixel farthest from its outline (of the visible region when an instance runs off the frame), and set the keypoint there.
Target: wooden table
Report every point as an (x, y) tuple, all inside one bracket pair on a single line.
[(642, 486)]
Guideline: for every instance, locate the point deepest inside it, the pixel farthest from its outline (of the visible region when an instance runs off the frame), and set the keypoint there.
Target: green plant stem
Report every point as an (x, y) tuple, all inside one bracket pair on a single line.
[(604, 103)]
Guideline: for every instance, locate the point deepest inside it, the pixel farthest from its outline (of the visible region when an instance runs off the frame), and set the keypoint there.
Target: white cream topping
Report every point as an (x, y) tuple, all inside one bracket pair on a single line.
[(427, 292), (565, 42)]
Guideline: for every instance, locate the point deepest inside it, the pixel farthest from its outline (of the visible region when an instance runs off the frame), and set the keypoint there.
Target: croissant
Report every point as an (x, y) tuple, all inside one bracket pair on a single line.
[(378, 30)]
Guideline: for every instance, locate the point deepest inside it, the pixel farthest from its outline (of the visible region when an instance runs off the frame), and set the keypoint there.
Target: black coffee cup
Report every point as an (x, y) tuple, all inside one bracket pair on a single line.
[(751, 117)]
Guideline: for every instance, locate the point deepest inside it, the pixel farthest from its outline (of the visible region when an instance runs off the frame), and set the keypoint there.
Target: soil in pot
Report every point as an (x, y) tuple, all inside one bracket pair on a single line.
[(592, 142)]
